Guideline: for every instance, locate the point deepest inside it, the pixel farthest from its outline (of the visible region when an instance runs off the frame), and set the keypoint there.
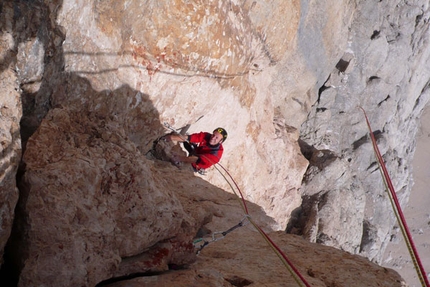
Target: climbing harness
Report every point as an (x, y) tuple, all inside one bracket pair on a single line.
[(201, 243)]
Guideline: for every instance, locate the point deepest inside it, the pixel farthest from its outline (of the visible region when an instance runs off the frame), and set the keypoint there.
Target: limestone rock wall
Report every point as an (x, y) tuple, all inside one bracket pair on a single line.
[(219, 60), (98, 79), (89, 201), (383, 71)]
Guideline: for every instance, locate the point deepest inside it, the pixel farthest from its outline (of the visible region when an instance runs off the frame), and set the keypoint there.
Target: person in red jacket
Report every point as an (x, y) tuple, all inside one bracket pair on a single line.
[(204, 149)]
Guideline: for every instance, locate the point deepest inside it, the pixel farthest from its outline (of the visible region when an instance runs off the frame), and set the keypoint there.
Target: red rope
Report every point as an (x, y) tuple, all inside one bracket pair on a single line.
[(397, 208), (280, 253), (238, 189), (296, 271)]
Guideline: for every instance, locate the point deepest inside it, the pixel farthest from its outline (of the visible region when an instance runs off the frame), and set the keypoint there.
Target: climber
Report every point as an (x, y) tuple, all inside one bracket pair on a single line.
[(204, 149)]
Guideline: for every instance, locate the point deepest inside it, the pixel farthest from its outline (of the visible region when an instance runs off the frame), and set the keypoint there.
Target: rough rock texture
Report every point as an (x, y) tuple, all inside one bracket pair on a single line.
[(384, 37), (228, 263), (344, 55), (167, 48), (10, 140), (90, 190), (99, 78), (88, 199)]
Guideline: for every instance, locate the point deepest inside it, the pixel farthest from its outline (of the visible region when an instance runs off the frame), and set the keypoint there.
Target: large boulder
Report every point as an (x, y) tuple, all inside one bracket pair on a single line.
[(88, 201)]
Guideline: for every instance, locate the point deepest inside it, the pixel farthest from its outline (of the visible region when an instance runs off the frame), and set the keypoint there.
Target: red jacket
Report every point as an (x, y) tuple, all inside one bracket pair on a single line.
[(208, 155)]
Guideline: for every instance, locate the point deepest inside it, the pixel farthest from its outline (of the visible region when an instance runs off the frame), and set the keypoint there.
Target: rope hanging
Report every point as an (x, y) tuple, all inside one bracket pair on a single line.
[(300, 280), (298, 277), (422, 275)]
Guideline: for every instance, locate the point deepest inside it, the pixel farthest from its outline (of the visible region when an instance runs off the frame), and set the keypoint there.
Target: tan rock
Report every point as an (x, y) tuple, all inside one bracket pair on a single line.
[(89, 200), (220, 51), (244, 258), (268, 72)]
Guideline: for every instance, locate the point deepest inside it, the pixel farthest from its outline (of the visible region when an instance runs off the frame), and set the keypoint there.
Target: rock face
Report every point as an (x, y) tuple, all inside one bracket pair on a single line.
[(216, 49), (89, 201), (97, 81), (394, 99), (91, 191), (10, 141)]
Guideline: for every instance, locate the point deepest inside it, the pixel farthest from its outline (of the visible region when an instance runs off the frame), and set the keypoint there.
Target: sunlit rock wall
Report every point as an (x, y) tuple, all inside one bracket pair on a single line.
[(385, 71), (243, 70)]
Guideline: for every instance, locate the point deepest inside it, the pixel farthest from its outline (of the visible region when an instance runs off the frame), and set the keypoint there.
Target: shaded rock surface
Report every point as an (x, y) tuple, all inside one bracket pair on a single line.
[(90, 190), (10, 140), (87, 208)]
